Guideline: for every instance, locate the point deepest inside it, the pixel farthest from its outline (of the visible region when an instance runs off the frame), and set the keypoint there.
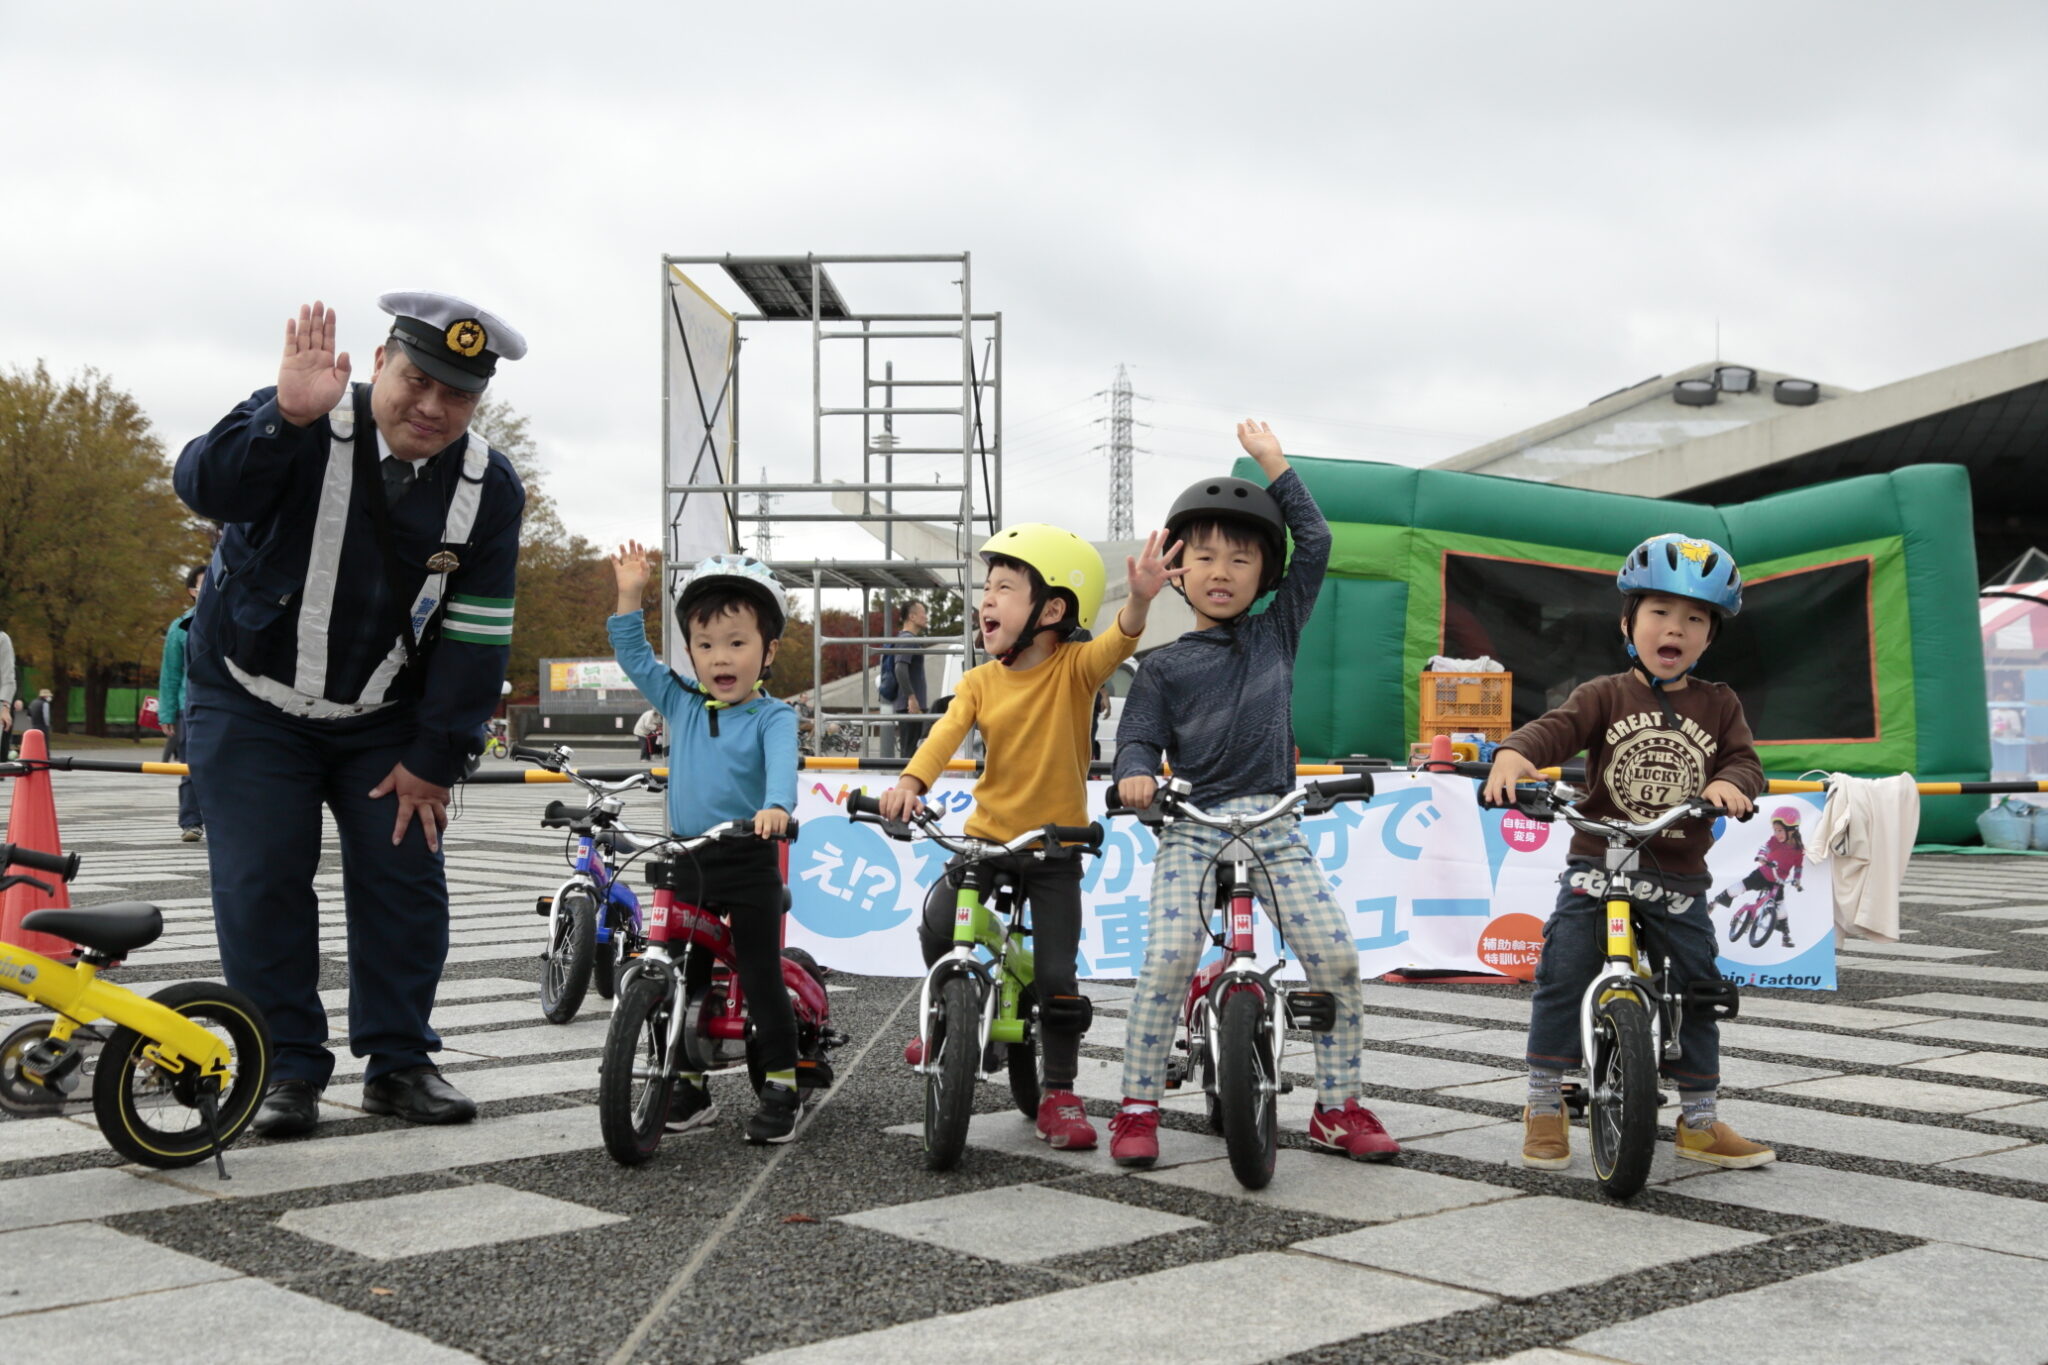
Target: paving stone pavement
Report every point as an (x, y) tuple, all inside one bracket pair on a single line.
[(1908, 1214)]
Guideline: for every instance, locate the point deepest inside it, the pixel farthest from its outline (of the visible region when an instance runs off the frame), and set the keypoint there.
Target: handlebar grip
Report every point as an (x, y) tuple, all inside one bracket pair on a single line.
[(860, 803), (64, 865), (1090, 834), (1345, 788), (520, 751), (556, 816), (790, 832)]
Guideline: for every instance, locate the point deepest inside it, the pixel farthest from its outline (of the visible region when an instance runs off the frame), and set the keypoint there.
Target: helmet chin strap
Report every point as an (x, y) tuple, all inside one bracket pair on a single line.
[(1026, 636)]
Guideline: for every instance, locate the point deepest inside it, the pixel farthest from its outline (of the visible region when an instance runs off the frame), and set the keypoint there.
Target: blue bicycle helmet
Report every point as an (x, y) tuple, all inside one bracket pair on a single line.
[(1683, 566)]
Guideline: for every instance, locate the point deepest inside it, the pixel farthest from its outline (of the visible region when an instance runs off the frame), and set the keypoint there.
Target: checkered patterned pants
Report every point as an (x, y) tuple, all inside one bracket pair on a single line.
[(1292, 894)]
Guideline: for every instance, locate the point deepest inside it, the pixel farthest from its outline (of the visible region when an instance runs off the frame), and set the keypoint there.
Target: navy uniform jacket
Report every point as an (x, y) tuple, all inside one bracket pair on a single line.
[(264, 478)]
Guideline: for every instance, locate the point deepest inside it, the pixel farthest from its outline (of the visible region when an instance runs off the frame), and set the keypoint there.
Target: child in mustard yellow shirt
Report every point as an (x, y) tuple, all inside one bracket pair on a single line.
[(1034, 705)]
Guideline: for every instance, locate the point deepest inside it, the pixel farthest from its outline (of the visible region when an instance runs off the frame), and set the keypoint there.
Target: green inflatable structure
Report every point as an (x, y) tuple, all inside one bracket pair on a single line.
[(1857, 650)]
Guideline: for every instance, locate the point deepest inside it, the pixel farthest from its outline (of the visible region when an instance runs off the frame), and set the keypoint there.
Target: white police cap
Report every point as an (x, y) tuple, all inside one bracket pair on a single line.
[(451, 338)]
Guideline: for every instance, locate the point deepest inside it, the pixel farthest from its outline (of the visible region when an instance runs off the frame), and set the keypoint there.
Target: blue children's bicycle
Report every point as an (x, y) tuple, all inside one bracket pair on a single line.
[(594, 923)]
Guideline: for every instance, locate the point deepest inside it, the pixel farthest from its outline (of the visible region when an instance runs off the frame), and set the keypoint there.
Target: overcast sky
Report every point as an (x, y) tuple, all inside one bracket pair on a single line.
[(1395, 231)]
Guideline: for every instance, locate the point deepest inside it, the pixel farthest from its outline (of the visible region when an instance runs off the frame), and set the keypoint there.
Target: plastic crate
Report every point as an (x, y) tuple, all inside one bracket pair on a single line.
[(1482, 702)]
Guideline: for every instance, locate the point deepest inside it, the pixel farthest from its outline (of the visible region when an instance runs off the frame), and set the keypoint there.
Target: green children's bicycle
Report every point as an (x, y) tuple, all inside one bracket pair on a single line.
[(978, 1011)]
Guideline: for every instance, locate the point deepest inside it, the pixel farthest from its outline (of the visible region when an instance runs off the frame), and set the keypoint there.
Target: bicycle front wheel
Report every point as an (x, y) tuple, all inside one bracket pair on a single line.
[(949, 1084), (634, 1078), (1764, 923), (565, 969), (1247, 1088), (1622, 1110), (155, 1116)]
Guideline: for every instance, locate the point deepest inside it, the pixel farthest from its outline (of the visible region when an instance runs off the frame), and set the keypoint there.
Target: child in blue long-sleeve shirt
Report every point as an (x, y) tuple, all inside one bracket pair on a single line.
[(732, 756)]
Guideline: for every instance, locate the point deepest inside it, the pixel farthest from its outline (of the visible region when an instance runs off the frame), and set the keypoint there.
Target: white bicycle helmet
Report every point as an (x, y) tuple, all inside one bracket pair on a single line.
[(741, 573)]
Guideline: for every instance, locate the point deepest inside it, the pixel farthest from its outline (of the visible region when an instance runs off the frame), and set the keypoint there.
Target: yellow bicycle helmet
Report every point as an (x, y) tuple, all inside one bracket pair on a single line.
[(1066, 562)]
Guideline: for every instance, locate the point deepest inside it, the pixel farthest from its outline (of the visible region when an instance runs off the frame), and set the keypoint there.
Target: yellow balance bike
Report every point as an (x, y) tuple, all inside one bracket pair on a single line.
[(178, 1075)]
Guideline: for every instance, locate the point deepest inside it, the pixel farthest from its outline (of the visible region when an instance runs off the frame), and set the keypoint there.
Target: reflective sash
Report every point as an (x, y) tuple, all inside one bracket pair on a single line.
[(307, 695)]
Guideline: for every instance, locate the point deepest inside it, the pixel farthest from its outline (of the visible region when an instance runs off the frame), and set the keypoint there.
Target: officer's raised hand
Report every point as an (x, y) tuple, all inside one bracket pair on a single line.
[(311, 378), (416, 796)]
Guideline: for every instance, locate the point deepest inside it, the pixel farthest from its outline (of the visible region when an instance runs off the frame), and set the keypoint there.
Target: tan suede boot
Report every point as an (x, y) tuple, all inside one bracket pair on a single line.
[(1720, 1145), (1546, 1141)]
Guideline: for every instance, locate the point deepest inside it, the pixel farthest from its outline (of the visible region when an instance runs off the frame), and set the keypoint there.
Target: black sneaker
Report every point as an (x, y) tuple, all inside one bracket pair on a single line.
[(775, 1120), (689, 1106)]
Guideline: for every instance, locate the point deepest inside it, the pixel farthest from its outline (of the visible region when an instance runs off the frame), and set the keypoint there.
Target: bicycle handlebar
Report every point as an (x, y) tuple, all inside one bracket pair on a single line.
[(1171, 802), (544, 757), (1048, 841), (730, 831), (64, 865)]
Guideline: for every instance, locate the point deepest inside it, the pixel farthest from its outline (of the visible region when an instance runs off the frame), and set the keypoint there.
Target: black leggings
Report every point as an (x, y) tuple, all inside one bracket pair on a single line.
[(1053, 891), (743, 883)]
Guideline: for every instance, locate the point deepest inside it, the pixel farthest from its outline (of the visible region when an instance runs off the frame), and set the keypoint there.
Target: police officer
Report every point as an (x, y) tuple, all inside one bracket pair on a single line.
[(348, 648)]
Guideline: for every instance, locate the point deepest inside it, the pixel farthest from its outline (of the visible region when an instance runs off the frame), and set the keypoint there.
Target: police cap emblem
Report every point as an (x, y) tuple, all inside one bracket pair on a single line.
[(466, 337), (441, 561)]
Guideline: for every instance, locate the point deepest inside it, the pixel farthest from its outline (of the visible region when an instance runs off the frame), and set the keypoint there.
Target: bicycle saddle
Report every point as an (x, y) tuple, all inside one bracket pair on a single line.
[(115, 930)]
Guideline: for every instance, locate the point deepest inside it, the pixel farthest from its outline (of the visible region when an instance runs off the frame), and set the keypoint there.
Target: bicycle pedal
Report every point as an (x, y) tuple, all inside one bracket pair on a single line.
[(1315, 1011), (543, 906), (833, 1038), (815, 1072)]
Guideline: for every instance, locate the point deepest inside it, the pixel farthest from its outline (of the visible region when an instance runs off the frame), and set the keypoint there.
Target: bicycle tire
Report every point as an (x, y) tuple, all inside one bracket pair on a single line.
[(1206, 1072), (126, 1081), (1764, 923), (1622, 1109), (806, 1036), (19, 1095), (565, 968), (607, 958), (1739, 922), (1246, 1089), (1026, 1086), (634, 1076), (949, 1084)]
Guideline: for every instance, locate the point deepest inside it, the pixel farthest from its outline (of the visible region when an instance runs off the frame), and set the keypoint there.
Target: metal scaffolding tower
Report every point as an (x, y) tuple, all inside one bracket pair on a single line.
[(922, 478)]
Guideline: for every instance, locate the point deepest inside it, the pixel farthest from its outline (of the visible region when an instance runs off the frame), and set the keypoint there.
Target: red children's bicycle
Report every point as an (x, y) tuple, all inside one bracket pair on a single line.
[(1236, 1017), (659, 1029)]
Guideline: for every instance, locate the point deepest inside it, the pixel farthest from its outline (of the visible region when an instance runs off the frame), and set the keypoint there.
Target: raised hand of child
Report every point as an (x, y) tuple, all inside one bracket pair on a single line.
[(1147, 572), (629, 568), (771, 823), (1262, 445)]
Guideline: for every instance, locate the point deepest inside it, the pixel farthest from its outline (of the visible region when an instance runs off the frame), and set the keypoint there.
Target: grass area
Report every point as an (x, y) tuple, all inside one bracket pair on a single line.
[(72, 744)]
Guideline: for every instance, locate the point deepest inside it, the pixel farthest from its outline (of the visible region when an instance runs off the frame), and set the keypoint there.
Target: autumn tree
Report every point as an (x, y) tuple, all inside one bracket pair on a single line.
[(565, 582), (93, 541)]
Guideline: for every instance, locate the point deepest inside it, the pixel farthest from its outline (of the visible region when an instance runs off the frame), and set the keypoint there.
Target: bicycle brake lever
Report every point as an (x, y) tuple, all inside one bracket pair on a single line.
[(23, 879)]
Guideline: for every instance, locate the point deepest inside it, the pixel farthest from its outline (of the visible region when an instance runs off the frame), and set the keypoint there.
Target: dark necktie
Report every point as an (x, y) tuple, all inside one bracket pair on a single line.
[(397, 478)]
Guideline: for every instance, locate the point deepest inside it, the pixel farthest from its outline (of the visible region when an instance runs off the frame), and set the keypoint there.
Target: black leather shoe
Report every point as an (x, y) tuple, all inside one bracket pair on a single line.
[(290, 1109), (418, 1094)]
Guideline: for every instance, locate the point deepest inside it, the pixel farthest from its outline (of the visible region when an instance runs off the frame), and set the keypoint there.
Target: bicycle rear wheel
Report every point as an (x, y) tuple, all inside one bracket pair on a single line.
[(154, 1116), (565, 967), (955, 1037), (1025, 1086), (1740, 920), (1622, 1110), (1247, 1088), (635, 1076)]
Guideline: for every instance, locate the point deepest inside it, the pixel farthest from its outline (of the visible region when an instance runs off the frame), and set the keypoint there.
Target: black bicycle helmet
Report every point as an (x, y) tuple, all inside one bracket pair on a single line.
[(1235, 500)]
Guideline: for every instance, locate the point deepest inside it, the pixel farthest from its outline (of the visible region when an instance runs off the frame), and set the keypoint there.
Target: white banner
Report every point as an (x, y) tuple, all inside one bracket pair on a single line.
[(1431, 881), (702, 338)]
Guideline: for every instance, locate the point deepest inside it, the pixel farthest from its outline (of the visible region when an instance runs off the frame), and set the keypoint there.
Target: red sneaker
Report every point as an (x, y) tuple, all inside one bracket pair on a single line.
[(913, 1052), (1063, 1123), (1352, 1131), (1134, 1136)]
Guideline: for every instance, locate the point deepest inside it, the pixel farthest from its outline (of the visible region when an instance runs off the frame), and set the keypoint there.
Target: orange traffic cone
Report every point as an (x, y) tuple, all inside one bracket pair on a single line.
[(32, 823)]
